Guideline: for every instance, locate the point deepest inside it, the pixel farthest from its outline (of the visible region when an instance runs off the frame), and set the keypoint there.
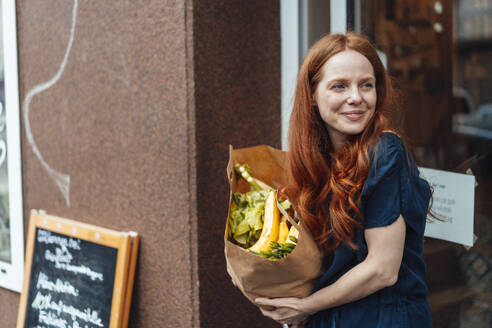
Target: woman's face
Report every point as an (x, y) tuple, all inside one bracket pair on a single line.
[(346, 95)]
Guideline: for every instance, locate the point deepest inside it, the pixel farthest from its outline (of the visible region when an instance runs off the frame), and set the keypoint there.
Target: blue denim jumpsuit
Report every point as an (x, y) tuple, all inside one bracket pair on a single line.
[(393, 187)]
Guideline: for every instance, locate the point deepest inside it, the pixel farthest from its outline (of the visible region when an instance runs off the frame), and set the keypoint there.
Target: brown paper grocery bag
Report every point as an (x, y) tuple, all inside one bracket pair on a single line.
[(291, 276)]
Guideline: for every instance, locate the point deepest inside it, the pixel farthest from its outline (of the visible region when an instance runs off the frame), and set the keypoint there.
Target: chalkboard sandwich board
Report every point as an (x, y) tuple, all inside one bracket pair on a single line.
[(76, 275)]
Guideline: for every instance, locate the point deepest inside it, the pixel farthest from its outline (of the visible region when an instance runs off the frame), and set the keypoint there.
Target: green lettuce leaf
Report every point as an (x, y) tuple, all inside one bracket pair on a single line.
[(246, 220)]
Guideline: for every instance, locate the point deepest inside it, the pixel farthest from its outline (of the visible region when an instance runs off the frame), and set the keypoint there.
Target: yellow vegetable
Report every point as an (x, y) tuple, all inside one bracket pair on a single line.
[(293, 232), (271, 225), (284, 230)]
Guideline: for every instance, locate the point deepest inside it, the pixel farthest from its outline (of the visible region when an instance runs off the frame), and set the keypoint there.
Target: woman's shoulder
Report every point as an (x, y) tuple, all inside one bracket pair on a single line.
[(390, 139), (387, 158), (388, 149)]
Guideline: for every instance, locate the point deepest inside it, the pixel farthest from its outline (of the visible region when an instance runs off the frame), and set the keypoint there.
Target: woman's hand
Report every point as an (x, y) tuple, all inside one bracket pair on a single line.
[(288, 310)]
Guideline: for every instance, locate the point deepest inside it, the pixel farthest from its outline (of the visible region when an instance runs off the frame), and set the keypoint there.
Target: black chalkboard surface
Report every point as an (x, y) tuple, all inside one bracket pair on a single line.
[(77, 275), (69, 282)]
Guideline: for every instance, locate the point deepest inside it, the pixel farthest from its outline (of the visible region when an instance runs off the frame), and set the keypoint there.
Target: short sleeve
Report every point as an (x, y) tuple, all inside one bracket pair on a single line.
[(382, 194)]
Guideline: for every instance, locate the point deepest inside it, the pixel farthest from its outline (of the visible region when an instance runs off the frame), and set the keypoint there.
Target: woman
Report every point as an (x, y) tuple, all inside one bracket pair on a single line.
[(358, 191)]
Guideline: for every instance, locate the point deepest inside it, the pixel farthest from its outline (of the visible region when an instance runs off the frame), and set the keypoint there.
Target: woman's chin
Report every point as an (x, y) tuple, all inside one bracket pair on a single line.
[(353, 131)]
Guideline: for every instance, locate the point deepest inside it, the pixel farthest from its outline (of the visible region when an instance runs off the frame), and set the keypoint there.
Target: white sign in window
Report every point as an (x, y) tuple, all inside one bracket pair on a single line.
[(11, 214), (453, 201)]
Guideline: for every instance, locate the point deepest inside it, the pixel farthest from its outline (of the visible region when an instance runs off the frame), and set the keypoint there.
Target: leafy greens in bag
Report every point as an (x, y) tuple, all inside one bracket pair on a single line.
[(247, 216), (246, 220)]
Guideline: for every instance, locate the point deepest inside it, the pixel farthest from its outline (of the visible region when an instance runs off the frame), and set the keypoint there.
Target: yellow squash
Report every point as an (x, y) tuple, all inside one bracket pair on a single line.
[(284, 230), (271, 225)]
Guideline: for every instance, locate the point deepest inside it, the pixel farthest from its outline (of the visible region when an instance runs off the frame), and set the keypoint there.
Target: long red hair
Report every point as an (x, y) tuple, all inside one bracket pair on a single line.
[(326, 186)]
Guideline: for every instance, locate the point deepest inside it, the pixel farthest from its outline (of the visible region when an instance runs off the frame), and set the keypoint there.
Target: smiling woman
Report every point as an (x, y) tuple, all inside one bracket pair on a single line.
[(358, 191)]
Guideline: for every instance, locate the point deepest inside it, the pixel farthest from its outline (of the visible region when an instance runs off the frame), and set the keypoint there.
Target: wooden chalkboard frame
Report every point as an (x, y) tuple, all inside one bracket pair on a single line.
[(126, 244)]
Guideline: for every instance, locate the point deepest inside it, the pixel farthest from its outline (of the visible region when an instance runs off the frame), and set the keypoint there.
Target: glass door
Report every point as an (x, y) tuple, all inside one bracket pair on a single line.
[(438, 53)]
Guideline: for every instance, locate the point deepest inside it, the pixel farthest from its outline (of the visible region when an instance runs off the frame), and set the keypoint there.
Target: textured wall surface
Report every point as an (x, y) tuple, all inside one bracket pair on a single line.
[(237, 88), (137, 105), (117, 122)]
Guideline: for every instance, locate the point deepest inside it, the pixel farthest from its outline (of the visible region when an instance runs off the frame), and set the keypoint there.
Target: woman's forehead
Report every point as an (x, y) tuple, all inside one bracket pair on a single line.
[(348, 64)]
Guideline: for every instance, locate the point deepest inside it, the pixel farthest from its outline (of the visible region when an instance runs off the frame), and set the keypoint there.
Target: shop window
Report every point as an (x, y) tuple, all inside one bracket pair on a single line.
[(438, 53)]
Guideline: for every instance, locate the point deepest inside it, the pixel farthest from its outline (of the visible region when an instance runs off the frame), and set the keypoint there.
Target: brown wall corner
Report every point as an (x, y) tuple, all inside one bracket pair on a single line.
[(237, 99)]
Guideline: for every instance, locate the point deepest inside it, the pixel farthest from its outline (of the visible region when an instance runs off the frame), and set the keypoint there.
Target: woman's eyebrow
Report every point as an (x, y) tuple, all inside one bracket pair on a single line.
[(344, 80), (368, 78), (338, 79)]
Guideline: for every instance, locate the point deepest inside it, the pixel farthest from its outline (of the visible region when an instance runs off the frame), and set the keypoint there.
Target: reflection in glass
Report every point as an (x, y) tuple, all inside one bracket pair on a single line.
[(5, 251), (439, 55)]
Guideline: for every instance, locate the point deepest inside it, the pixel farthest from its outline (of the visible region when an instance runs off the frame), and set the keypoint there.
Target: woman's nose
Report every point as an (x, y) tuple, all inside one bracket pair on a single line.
[(354, 96)]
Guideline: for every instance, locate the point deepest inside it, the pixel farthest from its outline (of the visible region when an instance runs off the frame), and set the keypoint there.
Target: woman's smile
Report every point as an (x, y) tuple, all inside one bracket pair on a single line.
[(354, 115)]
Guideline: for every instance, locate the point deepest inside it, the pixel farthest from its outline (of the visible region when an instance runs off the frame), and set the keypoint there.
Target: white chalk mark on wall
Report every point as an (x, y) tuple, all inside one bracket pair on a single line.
[(61, 179)]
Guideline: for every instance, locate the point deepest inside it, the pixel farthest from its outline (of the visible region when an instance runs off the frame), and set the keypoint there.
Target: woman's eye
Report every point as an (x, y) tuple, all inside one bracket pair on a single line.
[(367, 85), (337, 86)]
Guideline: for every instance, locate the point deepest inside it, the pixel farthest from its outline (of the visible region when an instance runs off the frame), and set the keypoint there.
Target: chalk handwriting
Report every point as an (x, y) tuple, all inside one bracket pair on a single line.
[(60, 256), (62, 259), (46, 237), (44, 302), (82, 269), (61, 179), (60, 286), (51, 319)]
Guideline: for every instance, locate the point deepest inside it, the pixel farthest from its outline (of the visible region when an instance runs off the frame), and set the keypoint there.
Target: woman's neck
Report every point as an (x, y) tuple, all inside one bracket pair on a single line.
[(338, 140)]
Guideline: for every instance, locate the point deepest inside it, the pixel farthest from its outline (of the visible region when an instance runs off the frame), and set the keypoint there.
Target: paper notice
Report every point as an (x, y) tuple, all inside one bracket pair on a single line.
[(454, 196)]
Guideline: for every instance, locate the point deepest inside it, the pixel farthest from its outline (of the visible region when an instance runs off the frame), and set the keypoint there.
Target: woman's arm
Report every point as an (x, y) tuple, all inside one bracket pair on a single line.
[(378, 270)]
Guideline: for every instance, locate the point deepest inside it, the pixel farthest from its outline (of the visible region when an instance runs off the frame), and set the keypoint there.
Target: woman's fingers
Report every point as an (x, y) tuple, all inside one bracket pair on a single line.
[(265, 301), (284, 310), (264, 312), (274, 314)]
